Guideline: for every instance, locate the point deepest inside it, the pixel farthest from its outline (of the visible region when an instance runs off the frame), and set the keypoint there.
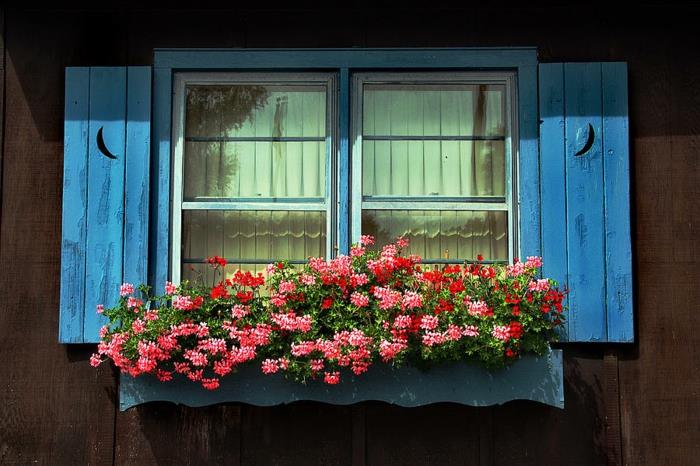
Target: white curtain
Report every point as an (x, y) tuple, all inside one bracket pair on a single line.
[(245, 169), (395, 167)]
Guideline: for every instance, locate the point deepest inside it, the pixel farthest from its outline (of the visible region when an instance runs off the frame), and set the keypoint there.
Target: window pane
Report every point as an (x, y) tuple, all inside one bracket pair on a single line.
[(251, 235), (254, 170), (435, 234), (433, 110), (255, 141), (433, 168), (428, 140)]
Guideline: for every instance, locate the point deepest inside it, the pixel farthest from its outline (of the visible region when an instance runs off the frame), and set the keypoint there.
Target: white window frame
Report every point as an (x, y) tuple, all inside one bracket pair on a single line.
[(180, 82), (510, 204)]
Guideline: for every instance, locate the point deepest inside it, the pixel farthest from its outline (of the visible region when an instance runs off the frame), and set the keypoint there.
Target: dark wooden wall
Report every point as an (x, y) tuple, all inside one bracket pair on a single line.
[(634, 405)]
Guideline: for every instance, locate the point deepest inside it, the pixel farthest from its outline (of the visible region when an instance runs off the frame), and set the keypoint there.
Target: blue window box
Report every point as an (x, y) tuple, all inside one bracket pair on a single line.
[(531, 378)]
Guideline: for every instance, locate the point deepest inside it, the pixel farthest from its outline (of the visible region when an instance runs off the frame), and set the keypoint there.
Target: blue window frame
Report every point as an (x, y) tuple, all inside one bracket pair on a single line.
[(352, 68)]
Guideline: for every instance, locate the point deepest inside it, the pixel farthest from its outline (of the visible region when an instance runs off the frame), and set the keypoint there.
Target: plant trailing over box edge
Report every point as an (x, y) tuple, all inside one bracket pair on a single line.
[(325, 317)]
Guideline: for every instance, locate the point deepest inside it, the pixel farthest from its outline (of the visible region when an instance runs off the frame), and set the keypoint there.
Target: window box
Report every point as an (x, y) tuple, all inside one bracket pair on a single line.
[(531, 378)]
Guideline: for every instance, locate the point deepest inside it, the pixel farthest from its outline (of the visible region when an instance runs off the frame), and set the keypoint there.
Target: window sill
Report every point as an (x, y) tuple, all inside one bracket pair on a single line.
[(531, 378)]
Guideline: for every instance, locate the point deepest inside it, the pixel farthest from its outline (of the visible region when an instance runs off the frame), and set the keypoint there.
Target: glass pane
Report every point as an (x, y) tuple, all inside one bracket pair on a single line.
[(254, 170), (442, 234), (251, 235), (416, 140), (257, 158), (433, 168), (433, 110)]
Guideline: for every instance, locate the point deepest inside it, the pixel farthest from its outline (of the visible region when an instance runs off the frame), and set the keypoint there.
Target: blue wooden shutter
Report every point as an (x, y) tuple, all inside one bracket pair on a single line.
[(585, 186), (105, 192)]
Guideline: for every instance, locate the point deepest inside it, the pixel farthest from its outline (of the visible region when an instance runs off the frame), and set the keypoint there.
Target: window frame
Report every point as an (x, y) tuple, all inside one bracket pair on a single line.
[(344, 62), (180, 82), (463, 203)]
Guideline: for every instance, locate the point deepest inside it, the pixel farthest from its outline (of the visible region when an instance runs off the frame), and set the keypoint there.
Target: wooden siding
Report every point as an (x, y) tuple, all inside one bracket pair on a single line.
[(633, 405)]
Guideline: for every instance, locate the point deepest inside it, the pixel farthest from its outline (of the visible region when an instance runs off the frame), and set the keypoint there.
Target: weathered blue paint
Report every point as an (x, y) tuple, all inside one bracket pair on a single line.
[(618, 241), (553, 172), (138, 155), (528, 164), (344, 163), (74, 216), (584, 200), (160, 176), (105, 213), (105, 210), (521, 59), (531, 378), (213, 59)]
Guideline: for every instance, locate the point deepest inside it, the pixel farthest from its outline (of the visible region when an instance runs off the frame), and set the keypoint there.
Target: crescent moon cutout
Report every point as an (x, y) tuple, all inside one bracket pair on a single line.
[(589, 142), (101, 145)]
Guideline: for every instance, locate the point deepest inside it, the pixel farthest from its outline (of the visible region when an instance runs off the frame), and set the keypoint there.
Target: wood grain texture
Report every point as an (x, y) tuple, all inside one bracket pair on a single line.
[(528, 434), (299, 433), (440, 434), (616, 168), (105, 186), (659, 383), (161, 433), (55, 409), (584, 202), (74, 208), (553, 174), (137, 174)]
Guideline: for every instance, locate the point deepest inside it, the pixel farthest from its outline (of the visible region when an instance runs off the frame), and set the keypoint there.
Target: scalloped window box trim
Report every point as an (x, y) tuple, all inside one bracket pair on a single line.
[(532, 378)]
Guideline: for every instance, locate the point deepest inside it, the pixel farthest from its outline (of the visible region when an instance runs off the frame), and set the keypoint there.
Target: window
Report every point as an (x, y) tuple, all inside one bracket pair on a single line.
[(256, 172), (251, 163), (434, 152), (318, 146)]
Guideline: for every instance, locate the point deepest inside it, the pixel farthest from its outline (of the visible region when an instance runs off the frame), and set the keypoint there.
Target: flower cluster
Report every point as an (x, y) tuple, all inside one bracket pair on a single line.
[(329, 318)]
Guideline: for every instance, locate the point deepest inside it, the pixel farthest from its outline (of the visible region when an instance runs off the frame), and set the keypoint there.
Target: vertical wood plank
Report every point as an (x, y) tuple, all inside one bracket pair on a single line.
[(618, 238), (159, 251), (359, 435), (611, 400), (138, 155), (74, 212), (528, 164), (105, 210), (553, 172), (584, 196)]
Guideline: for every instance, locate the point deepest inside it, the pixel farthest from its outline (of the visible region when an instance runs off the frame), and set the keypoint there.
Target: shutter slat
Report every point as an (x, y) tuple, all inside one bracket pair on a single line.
[(553, 172), (73, 231), (585, 197), (138, 146), (105, 217), (618, 243)]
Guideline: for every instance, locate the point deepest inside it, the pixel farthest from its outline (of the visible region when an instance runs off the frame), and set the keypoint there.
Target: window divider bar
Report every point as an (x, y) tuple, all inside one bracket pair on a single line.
[(431, 138), (344, 166), (255, 139), (232, 260), (412, 205), (235, 205), (437, 199)]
